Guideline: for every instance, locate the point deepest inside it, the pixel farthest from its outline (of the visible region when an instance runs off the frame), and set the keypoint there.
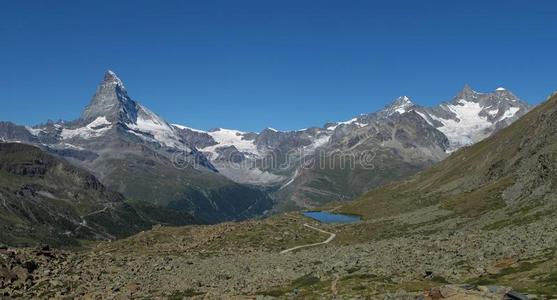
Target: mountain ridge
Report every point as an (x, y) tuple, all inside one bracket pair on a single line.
[(468, 118), (270, 160), (510, 169)]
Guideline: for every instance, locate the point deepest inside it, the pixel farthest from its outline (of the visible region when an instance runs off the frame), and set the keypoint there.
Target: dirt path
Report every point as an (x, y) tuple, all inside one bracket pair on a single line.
[(96, 212), (334, 291), (331, 237)]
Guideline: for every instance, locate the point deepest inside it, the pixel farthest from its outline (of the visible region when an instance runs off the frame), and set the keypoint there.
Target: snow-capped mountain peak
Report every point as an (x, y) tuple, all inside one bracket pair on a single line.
[(111, 101), (400, 105), (354, 121), (112, 105), (111, 78), (472, 116), (468, 93)]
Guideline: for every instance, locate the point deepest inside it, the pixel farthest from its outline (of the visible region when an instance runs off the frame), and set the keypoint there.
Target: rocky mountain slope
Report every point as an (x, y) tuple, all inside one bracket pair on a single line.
[(317, 165), (358, 158), (472, 116), (513, 171), (45, 199), (135, 152)]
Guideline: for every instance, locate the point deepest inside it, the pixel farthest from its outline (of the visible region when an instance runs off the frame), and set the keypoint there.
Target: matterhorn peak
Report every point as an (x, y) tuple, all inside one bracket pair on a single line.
[(111, 101), (111, 77)]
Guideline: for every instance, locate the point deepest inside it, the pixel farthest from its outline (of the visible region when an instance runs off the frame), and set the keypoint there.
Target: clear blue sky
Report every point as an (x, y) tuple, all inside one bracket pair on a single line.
[(284, 64)]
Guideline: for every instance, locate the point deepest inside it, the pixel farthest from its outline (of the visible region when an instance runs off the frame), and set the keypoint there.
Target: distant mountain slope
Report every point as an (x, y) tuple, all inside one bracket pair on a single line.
[(513, 172), (399, 141), (472, 116), (358, 158), (45, 199)]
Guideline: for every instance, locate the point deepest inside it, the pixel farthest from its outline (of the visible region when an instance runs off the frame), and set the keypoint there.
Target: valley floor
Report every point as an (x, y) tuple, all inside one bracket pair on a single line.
[(372, 259)]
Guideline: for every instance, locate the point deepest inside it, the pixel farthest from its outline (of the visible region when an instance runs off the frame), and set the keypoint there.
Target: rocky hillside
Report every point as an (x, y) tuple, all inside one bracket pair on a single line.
[(358, 158), (375, 259), (513, 171), (45, 199)]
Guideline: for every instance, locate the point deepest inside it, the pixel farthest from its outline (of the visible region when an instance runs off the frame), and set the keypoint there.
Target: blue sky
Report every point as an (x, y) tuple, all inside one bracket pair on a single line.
[(283, 64)]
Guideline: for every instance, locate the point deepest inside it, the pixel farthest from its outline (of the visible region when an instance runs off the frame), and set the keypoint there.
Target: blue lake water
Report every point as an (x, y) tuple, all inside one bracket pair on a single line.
[(327, 217)]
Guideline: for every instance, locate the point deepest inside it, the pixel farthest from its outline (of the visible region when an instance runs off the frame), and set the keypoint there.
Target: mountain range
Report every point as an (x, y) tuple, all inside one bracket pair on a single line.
[(225, 174), (512, 172), (480, 224), (381, 147), (461, 195)]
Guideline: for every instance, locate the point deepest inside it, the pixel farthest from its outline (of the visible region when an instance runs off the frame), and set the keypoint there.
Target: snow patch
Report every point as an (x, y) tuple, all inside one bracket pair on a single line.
[(353, 121), (34, 131), (400, 105), (230, 137), (511, 112), (290, 181), (493, 112), (94, 129), (318, 142), (100, 121), (464, 130), (400, 110), (188, 128), (148, 122)]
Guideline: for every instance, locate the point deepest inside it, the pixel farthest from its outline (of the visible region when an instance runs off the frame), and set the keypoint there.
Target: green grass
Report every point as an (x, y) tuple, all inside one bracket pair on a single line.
[(520, 217), (368, 231), (304, 285), (439, 279), (272, 234), (366, 277), (179, 295), (478, 201)]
